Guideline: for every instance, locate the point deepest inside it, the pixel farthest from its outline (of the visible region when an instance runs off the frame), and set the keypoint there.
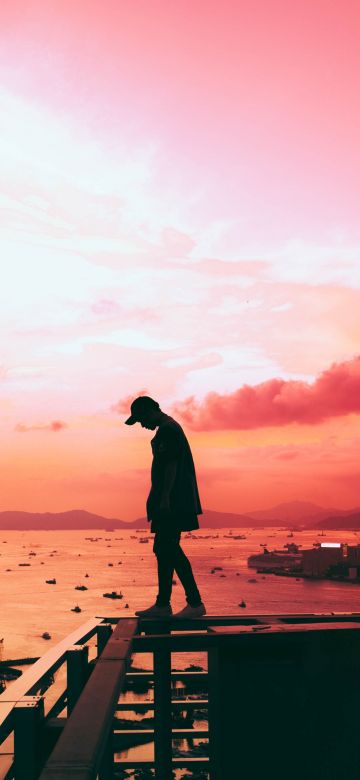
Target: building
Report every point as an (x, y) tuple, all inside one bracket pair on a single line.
[(330, 557)]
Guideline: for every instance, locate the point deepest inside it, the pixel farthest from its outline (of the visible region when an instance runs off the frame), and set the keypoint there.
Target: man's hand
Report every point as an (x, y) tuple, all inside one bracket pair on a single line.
[(164, 507), (165, 504)]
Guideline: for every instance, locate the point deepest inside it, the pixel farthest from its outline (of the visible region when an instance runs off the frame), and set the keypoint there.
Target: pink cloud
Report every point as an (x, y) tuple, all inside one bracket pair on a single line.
[(123, 406), (176, 243), (55, 425), (278, 402), (350, 480), (225, 268), (105, 307), (290, 455)]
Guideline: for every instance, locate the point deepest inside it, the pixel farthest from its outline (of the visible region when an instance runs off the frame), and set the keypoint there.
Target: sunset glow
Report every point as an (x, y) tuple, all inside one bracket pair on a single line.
[(179, 217)]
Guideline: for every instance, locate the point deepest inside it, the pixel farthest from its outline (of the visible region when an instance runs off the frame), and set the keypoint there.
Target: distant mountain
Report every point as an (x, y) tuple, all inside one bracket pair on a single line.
[(77, 519), (213, 519), (348, 521), (74, 519), (293, 512)]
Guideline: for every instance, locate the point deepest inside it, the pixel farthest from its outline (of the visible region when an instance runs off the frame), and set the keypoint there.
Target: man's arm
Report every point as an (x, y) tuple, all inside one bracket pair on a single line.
[(169, 479)]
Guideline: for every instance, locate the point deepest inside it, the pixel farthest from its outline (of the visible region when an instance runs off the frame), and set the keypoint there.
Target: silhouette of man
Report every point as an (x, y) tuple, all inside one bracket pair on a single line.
[(172, 506)]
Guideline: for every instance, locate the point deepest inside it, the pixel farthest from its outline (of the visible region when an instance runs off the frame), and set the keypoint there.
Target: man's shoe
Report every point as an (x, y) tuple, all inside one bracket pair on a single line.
[(154, 611), (191, 612)]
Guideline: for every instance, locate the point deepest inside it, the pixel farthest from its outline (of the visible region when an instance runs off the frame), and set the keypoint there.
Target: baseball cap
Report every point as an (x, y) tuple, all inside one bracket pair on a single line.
[(141, 405)]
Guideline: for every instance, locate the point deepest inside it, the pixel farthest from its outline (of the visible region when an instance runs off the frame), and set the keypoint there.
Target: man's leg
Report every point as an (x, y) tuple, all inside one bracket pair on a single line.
[(165, 546), (184, 571)]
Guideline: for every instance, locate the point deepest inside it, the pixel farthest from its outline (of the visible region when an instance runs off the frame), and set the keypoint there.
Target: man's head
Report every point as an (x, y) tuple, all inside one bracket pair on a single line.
[(145, 411)]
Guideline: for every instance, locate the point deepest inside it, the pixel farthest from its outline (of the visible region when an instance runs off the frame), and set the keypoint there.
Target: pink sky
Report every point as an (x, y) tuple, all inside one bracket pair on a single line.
[(179, 216)]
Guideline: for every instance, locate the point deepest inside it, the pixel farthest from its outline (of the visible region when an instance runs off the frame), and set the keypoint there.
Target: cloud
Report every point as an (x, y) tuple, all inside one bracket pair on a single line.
[(110, 309), (55, 425), (106, 307), (123, 406), (176, 243), (226, 268), (290, 455), (350, 480), (276, 402)]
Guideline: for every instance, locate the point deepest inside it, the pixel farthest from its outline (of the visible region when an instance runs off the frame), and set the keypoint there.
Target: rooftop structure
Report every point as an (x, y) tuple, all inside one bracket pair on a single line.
[(281, 694)]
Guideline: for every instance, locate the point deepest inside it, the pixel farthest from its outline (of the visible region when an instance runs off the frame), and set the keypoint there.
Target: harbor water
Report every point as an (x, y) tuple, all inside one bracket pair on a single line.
[(120, 561)]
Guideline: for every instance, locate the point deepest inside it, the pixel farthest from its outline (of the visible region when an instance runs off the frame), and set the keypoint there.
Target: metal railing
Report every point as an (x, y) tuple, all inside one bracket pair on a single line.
[(83, 744), (22, 702)]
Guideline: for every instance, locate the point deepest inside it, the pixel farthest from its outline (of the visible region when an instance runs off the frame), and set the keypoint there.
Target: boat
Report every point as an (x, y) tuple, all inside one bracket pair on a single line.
[(113, 595), (290, 558), (232, 536), (51, 582)]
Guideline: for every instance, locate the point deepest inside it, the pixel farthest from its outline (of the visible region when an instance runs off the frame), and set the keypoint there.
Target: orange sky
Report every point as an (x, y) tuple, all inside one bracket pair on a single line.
[(179, 217)]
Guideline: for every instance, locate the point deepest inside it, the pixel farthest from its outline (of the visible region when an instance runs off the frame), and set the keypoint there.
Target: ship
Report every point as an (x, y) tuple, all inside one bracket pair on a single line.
[(289, 558)]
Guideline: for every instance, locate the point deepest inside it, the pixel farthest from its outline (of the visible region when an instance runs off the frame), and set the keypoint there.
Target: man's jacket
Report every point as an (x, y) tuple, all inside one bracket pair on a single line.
[(170, 444)]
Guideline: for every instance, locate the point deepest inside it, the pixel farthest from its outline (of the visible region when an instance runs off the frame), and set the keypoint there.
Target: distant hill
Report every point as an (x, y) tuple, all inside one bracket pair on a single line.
[(293, 512), (75, 519), (213, 519), (349, 521), (288, 514)]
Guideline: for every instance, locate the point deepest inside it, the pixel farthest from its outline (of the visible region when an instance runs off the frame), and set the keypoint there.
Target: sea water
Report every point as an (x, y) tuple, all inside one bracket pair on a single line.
[(120, 561)]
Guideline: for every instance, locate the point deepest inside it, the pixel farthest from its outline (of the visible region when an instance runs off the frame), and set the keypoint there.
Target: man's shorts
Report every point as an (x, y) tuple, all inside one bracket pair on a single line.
[(176, 521)]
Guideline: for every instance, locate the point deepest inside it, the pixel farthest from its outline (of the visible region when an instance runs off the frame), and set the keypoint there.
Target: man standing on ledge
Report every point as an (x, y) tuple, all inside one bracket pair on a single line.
[(172, 506)]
